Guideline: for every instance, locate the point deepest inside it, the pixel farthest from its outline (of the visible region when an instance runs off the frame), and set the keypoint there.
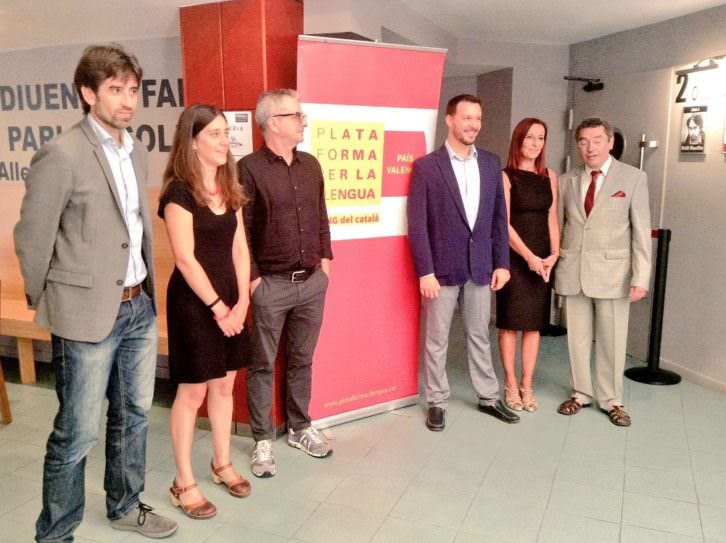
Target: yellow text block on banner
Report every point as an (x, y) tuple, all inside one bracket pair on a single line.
[(351, 155)]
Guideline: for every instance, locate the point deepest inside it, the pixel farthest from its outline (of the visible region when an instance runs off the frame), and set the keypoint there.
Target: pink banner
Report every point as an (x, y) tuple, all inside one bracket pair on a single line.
[(371, 112)]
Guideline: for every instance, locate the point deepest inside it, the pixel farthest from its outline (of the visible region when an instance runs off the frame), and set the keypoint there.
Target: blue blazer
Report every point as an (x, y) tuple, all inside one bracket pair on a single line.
[(441, 240)]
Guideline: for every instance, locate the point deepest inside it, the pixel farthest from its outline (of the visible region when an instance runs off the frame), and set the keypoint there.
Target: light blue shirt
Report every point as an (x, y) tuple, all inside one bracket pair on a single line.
[(466, 171), (124, 176)]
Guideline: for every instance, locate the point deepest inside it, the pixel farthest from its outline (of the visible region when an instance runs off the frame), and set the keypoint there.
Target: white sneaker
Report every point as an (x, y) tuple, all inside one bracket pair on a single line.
[(262, 459), (310, 441)]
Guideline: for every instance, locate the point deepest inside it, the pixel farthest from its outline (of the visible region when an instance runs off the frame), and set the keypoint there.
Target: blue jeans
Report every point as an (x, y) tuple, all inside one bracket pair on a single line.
[(121, 368)]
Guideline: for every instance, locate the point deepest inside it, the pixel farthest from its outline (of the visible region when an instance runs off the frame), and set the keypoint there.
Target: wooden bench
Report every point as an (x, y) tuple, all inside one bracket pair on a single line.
[(16, 320)]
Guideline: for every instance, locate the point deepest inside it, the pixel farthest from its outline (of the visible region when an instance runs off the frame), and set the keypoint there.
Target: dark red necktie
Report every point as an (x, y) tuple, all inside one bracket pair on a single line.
[(590, 195)]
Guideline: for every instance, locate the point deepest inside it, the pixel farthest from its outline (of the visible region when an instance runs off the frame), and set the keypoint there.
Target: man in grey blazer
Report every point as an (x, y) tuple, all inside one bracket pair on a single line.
[(604, 266), (84, 246)]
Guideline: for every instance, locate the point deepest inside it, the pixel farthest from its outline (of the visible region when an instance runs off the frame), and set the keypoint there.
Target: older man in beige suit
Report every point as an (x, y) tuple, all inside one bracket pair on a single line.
[(605, 261)]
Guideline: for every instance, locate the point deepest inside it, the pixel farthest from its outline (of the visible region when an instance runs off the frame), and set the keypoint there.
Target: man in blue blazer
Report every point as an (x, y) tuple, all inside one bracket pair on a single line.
[(457, 229)]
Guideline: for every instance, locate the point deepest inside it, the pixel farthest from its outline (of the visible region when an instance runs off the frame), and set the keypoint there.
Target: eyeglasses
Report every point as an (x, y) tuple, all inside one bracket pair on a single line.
[(301, 117)]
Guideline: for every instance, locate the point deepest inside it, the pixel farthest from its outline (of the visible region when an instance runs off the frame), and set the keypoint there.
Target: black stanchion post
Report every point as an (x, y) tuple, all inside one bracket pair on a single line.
[(652, 374)]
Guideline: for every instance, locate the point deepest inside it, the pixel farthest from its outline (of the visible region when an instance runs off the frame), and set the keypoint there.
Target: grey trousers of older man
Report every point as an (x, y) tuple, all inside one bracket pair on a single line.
[(474, 302)]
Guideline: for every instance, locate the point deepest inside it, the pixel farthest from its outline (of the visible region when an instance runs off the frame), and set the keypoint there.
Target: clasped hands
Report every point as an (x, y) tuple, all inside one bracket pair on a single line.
[(542, 266), (231, 321)]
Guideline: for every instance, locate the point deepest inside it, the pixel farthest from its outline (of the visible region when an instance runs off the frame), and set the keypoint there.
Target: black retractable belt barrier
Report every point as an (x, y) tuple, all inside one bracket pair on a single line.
[(652, 374)]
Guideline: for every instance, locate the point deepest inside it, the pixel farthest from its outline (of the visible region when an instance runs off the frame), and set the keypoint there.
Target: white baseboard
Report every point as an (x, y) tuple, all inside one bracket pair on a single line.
[(693, 376)]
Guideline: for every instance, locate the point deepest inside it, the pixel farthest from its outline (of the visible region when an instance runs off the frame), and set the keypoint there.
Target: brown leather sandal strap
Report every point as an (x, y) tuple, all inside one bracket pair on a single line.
[(220, 469), (178, 491)]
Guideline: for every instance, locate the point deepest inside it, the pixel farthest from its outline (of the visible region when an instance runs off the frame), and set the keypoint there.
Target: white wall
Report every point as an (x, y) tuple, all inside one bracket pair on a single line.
[(538, 86), (694, 193)]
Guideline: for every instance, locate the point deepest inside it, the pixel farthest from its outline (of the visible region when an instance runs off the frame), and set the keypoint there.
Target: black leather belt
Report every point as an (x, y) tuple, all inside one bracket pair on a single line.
[(129, 293), (296, 276)]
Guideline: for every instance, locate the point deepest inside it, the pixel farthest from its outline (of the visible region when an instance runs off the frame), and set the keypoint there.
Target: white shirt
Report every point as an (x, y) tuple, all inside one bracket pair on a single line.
[(466, 171), (119, 159), (587, 179)]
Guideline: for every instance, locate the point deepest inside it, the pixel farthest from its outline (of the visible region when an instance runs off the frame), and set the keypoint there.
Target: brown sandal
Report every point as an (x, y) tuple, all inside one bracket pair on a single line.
[(618, 416), (199, 510), (239, 488), (529, 402), (570, 407), (512, 398)]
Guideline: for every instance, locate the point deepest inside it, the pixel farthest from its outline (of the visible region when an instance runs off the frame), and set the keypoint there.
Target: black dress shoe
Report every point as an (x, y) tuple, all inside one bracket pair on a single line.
[(435, 419), (499, 411)]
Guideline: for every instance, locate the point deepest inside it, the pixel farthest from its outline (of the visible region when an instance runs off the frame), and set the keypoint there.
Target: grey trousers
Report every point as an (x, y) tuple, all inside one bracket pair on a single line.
[(606, 320), (298, 307), (475, 302)]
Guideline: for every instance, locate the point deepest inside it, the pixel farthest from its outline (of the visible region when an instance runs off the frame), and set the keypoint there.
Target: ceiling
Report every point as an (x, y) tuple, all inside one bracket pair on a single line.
[(27, 24)]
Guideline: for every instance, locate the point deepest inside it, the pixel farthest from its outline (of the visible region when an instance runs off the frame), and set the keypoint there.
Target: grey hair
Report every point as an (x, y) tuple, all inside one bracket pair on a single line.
[(267, 102), (594, 122)]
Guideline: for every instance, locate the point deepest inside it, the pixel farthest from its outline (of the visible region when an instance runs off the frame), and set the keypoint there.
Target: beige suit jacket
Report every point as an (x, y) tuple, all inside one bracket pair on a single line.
[(605, 254), (72, 241)]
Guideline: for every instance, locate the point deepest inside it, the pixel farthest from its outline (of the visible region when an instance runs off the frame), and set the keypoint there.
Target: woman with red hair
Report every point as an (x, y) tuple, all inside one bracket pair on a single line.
[(530, 189)]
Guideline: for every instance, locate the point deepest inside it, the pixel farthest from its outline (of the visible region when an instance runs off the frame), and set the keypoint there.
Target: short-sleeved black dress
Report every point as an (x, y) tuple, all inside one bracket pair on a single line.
[(523, 303), (198, 350)]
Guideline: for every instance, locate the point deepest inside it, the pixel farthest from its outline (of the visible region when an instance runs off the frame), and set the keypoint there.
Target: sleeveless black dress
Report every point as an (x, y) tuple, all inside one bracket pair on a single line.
[(523, 303), (198, 350)]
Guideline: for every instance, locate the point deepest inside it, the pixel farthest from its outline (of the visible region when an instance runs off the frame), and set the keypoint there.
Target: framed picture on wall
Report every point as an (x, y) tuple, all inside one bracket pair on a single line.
[(693, 135), (724, 136)]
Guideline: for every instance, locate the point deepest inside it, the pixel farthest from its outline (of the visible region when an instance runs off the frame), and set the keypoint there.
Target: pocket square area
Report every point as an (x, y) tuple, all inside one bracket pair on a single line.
[(619, 194)]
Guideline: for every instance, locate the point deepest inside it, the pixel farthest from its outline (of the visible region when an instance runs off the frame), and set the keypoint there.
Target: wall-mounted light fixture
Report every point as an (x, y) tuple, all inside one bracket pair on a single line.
[(591, 83)]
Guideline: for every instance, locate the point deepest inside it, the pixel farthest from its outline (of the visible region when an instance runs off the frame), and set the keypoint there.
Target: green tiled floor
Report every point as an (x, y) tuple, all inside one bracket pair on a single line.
[(548, 479)]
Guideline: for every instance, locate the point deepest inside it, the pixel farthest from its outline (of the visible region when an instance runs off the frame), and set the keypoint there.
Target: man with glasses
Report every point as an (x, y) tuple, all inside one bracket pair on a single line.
[(289, 238)]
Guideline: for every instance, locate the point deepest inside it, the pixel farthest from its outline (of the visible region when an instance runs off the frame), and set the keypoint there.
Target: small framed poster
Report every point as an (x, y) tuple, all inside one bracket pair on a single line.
[(693, 135), (240, 132)]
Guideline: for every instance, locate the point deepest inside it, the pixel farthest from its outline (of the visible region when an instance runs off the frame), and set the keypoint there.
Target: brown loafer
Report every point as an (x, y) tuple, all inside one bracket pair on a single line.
[(570, 407), (239, 488), (618, 415)]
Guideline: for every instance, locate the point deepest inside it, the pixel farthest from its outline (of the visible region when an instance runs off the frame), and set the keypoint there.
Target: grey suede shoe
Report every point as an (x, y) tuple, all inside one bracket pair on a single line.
[(141, 519)]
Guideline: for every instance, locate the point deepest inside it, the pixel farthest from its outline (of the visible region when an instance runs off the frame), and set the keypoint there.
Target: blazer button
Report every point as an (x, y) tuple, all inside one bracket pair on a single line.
[(119, 282), (124, 245)]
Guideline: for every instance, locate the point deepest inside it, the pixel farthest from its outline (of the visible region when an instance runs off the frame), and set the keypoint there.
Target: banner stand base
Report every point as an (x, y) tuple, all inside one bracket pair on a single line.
[(241, 428), (366, 412), (654, 376)]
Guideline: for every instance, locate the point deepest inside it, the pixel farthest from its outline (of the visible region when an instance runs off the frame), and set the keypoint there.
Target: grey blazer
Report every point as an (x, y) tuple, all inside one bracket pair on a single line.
[(603, 255), (72, 241)]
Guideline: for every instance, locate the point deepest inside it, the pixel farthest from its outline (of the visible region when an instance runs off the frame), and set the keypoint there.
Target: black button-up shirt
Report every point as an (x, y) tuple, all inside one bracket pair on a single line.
[(286, 218)]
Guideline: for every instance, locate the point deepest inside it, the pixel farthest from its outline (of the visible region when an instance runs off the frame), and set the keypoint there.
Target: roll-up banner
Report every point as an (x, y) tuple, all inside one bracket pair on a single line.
[(371, 111)]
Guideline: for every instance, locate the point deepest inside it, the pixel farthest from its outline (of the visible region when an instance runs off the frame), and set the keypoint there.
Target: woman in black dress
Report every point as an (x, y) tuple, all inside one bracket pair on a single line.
[(207, 298), (530, 189)]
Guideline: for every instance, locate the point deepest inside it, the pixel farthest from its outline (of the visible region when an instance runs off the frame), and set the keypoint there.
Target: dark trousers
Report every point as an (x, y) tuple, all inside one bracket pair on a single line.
[(278, 303)]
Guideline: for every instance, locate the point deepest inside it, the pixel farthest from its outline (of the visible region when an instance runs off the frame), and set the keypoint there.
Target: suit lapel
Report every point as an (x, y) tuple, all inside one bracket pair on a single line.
[(450, 179), (575, 182), (102, 162), (485, 189)]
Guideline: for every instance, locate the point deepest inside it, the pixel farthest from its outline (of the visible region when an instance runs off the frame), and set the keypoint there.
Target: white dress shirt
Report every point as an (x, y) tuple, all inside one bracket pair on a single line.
[(466, 171), (119, 159)]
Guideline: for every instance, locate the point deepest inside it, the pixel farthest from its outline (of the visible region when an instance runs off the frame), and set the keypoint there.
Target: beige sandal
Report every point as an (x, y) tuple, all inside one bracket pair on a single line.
[(529, 402), (512, 398)]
